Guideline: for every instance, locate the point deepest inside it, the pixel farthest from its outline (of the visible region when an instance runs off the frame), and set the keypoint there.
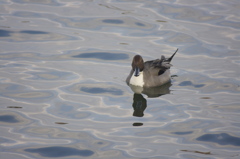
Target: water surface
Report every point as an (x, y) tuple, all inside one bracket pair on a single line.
[(63, 66)]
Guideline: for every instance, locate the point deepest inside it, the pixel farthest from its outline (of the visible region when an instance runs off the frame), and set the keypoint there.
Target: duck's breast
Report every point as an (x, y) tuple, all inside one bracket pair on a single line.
[(137, 81)]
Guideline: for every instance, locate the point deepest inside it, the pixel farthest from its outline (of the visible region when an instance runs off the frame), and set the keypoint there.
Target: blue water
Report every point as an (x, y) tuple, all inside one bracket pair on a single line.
[(63, 66)]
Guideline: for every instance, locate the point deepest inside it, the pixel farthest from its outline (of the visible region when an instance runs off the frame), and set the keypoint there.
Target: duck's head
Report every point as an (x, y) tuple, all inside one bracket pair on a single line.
[(137, 65)]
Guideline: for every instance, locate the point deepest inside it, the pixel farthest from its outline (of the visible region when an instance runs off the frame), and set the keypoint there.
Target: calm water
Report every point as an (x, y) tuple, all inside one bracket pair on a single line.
[(63, 66)]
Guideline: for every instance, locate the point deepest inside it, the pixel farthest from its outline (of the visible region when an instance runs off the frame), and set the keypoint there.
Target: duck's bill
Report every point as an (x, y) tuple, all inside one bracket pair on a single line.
[(137, 72)]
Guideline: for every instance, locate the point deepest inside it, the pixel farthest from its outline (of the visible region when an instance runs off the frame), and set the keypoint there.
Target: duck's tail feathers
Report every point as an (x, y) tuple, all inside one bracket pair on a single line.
[(163, 63), (170, 58)]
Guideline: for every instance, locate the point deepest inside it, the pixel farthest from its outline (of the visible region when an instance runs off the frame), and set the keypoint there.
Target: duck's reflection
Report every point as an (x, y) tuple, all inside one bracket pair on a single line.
[(140, 103), (152, 92)]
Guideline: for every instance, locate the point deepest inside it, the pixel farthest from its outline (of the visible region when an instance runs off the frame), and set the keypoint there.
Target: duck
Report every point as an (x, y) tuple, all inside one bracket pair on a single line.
[(150, 73)]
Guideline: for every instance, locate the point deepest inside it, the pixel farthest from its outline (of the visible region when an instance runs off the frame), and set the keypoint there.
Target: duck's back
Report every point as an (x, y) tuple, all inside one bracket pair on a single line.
[(154, 75)]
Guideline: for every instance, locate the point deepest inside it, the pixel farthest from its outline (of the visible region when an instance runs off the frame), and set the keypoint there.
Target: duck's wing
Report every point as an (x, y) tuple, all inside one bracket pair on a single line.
[(156, 67), (159, 66), (162, 63)]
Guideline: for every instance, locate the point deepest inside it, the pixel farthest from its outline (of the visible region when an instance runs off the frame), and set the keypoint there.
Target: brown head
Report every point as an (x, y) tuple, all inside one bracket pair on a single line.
[(137, 64)]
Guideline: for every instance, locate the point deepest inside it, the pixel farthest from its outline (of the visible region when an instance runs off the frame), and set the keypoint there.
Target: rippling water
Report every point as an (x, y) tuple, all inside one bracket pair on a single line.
[(63, 66)]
